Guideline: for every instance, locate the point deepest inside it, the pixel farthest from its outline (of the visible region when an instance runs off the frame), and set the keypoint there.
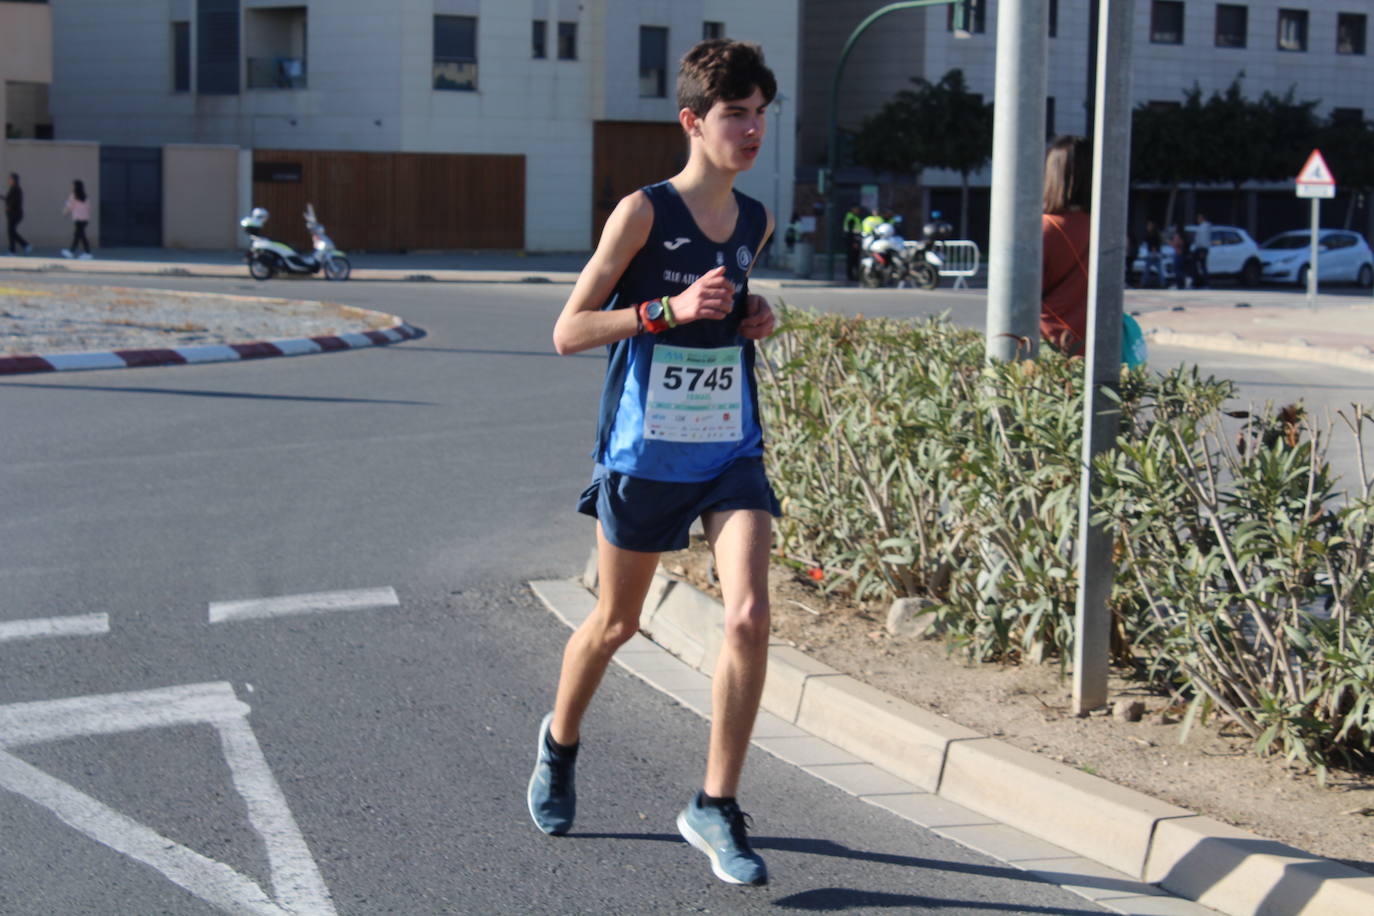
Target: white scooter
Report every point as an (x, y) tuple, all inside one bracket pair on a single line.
[(266, 258)]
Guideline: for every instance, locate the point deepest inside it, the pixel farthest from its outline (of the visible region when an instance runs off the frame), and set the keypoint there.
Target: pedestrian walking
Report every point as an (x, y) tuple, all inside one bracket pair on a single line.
[(79, 209), (1202, 244), (1154, 264), (14, 215), (853, 240), (1065, 228), (678, 436), (1179, 247)]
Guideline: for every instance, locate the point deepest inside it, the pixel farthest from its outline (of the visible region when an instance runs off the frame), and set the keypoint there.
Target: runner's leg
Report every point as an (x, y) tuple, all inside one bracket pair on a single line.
[(623, 577), (741, 540)]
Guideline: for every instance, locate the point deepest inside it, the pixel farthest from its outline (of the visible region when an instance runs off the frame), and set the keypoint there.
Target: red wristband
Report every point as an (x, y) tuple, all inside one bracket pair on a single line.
[(651, 313)]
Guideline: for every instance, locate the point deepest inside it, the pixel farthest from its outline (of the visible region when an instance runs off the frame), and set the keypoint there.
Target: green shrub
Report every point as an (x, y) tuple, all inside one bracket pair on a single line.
[(908, 467)]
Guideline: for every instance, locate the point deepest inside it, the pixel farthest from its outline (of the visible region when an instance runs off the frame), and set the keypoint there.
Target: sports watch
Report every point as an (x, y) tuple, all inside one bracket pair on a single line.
[(655, 316)]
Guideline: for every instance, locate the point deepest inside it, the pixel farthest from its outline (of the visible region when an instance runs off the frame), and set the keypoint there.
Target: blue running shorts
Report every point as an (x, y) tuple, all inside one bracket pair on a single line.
[(655, 516)]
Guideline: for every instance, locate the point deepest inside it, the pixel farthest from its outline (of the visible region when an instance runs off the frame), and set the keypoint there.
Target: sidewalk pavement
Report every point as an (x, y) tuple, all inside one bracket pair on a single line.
[(1114, 846)]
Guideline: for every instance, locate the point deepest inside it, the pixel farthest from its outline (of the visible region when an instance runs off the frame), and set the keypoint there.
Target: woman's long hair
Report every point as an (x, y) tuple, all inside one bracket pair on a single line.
[(79, 189), (1069, 175)]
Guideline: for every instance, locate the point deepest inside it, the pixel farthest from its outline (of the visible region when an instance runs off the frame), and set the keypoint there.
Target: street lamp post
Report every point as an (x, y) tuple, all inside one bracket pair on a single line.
[(827, 178)]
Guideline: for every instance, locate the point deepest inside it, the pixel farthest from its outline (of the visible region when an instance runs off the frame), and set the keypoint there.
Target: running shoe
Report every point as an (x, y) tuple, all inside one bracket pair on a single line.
[(552, 797), (720, 833)]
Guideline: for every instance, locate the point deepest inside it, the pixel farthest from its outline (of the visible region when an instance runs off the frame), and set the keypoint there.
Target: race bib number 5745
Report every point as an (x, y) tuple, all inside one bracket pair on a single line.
[(695, 395)]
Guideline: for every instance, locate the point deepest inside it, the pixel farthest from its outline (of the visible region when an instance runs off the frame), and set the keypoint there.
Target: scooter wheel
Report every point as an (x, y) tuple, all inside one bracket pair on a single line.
[(261, 269), (925, 276), (337, 268), (869, 277)]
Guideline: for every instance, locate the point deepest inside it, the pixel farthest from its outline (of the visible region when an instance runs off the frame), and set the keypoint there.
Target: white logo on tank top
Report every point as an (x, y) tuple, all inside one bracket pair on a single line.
[(720, 258), (743, 257), (676, 243)]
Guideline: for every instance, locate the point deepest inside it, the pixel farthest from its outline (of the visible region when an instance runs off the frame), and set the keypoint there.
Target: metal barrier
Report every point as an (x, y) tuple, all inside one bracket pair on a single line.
[(960, 258)]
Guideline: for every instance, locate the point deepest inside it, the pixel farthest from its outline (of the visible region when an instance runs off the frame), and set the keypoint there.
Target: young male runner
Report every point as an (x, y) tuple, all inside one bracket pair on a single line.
[(678, 436)]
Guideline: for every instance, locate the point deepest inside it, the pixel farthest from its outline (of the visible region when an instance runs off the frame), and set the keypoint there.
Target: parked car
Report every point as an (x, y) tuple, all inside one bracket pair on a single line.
[(1342, 257), (1233, 254)]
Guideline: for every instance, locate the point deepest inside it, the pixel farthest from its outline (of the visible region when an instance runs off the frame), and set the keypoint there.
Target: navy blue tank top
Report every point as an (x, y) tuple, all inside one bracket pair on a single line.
[(675, 254)]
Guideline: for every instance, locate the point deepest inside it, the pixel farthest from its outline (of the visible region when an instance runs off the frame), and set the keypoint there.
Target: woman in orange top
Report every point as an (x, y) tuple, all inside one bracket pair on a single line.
[(1065, 229)]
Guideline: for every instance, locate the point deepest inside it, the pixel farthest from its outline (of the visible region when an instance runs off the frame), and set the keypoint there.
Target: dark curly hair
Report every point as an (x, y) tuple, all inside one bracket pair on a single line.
[(720, 69)]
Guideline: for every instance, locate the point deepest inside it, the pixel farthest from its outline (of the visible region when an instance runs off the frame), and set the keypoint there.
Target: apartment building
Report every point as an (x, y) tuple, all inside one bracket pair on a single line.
[(413, 123), (1317, 47)]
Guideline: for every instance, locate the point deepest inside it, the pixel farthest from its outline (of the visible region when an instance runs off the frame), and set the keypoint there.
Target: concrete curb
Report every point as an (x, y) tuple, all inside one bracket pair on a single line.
[(391, 329), (1194, 857), (1298, 351)]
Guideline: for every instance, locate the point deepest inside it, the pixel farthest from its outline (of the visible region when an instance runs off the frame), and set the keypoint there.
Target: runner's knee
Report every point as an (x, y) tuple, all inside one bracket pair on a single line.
[(746, 624)]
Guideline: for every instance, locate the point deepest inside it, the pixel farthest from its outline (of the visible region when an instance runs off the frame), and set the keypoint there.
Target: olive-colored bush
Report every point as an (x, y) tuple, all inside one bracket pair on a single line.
[(1244, 579)]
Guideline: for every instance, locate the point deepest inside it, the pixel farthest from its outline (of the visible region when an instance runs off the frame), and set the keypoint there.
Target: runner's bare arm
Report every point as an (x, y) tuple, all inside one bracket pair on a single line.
[(582, 324), (759, 320)]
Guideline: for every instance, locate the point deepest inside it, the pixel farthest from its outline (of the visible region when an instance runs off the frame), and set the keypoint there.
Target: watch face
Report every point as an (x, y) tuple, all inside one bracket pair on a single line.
[(654, 311)]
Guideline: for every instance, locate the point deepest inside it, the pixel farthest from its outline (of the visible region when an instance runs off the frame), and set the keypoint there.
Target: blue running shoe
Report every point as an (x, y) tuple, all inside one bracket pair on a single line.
[(551, 795), (719, 832)]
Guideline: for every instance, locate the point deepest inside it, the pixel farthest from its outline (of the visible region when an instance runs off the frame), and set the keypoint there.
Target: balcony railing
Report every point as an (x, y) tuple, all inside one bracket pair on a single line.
[(276, 73)]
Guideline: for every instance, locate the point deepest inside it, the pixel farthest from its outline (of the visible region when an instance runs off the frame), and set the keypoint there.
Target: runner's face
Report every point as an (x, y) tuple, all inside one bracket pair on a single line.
[(733, 131)]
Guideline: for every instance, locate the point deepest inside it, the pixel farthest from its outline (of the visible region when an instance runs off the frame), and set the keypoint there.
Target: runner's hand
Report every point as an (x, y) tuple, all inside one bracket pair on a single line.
[(759, 320), (712, 296)]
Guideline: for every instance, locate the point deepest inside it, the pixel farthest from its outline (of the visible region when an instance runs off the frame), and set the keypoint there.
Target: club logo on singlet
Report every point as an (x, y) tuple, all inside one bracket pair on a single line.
[(676, 243), (743, 257), (720, 258)]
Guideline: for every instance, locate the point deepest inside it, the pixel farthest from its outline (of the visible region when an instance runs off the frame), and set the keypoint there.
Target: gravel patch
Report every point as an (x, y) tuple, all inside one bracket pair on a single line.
[(43, 318)]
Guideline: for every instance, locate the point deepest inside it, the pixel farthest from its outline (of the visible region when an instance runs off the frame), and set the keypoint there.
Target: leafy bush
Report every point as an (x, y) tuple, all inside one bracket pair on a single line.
[(907, 467)]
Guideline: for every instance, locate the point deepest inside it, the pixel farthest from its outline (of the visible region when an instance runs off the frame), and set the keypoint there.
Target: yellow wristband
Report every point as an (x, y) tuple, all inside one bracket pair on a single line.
[(668, 312)]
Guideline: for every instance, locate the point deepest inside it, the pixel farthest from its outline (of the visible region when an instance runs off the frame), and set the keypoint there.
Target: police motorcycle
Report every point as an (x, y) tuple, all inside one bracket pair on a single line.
[(266, 257), (885, 261), (922, 254)]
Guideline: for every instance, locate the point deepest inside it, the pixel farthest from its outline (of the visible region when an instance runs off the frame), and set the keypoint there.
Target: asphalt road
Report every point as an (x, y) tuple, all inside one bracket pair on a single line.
[(392, 741), (373, 757)]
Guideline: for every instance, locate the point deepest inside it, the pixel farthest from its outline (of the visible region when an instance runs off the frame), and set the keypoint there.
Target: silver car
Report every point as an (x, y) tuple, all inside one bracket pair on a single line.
[(1233, 254), (1342, 257)]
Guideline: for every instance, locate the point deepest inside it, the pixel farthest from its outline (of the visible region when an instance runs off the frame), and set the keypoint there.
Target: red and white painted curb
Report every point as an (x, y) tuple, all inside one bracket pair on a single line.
[(210, 353)]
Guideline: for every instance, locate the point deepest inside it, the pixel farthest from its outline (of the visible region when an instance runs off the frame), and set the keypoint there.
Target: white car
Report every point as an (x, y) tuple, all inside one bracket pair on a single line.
[(1342, 257), (1233, 254)]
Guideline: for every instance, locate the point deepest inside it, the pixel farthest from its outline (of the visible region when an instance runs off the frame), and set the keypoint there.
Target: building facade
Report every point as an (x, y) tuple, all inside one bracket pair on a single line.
[(1316, 47), (475, 120)]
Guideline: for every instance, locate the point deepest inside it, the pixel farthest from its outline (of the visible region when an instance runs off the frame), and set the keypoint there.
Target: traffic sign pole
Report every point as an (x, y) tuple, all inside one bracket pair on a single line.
[(1315, 181)]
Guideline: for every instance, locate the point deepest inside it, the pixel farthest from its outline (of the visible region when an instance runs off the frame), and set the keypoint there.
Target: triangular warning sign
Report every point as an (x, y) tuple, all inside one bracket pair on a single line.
[(297, 887), (1315, 171)]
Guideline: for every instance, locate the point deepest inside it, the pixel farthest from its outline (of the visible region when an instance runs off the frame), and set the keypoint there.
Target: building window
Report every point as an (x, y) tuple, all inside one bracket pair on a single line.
[(455, 53), (712, 30), (218, 52), (539, 40), (1350, 29), (1166, 22), (181, 57), (653, 62), (1232, 23), (567, 41), (1049, 118), (1054, 18), (274, 47), (1292, 30), (980, 18)]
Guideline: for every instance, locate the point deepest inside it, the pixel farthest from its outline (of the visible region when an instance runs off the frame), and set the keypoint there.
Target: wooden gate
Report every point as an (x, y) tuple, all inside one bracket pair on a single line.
[(394, 201), (627, 155)]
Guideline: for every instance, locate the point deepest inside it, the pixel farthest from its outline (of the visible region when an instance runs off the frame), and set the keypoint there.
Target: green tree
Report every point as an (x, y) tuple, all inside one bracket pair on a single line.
[(1165, 145), (1346, 144), (934, 126)]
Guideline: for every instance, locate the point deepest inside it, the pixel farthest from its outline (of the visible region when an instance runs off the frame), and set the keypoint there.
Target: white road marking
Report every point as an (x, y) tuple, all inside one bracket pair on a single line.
[(297, 887), (316, 603), (80, 625)]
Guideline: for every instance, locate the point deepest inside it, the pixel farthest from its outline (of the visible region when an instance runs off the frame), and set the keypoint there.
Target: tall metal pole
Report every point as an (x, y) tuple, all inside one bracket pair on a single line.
[(1018, 152), (832, 124), (1101, 417)]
